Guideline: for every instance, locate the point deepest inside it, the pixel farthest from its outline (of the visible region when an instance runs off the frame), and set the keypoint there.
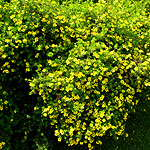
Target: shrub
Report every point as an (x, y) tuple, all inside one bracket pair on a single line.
[(91, 90), (89, 63)]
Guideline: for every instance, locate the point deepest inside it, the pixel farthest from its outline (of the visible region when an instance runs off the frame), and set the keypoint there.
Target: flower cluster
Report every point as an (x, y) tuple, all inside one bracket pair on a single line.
[(2, 144)]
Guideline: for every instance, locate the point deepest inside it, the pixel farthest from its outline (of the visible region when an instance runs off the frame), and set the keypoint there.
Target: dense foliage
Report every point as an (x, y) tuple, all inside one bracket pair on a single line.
[(79, 68)]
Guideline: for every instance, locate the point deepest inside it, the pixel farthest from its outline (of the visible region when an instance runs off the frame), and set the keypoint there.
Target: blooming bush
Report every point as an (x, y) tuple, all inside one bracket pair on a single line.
[(88, 64), (91, 90)]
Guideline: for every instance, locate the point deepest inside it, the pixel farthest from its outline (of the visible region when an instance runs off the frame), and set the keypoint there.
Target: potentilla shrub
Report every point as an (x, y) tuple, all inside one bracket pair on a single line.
[(91, 91), (89, 62), (88, 95), (21, 46)]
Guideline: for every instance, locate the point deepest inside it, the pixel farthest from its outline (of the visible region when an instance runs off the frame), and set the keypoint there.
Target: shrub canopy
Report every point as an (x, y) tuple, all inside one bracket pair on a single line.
[(88, 64)]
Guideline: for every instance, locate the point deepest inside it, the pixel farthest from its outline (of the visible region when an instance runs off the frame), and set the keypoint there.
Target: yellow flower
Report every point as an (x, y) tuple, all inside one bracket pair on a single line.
[(95, 65), (71, 131), (56, 133), (101, 98), (32, 84), (1, 108), (94, 73), (103, 105), (102, 114), (46, 16), (103, 120), (5, 71), (87, 97), (4, 56), (119, 76), (45, 114), (80, 74), (50, 111), (6, 102), (96, 55), (103, 88), (100, 78), (99, 142), (37, 55), (24, 40), (12, 16), (86, 67), (89, 63), (50, 62), (19, 22), (51, 75), (147, 84), (36, 39), (97, 103), (39, 47), (67, 61), (89, 145), (46, 47), (61, 132), (44, 70), (43, 20), (76, 60)]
